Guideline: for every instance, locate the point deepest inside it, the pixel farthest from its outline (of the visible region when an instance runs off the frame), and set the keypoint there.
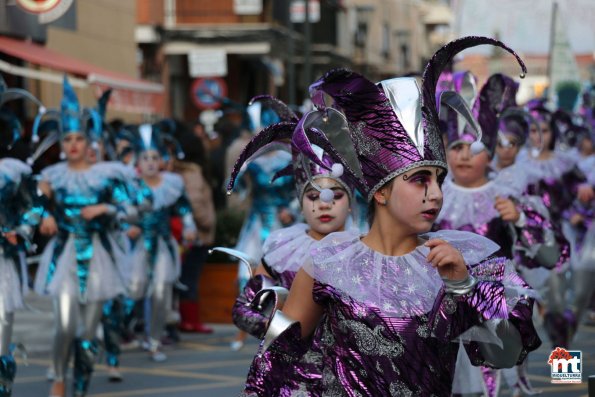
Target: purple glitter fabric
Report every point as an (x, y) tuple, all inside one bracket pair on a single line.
[(285, 252), (556, 181), (400, 347), (244, 315)]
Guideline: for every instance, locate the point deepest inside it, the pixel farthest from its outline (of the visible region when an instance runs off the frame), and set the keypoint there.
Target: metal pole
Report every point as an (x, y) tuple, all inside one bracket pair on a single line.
[(290, 62), (552, 45), (592, 386), (307, 42)]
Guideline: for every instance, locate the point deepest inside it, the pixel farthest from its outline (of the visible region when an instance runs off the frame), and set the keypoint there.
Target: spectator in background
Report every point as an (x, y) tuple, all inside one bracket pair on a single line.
[(228, 128), (200, 196)]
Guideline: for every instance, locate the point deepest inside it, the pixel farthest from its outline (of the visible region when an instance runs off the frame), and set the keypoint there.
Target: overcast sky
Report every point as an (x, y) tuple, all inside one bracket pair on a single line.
[(525, 24)]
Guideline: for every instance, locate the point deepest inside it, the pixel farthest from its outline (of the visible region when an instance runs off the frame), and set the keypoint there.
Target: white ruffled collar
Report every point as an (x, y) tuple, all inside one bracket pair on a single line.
[(60, 176), (554, 167), (168, 191), (399, 286), (473, 206), (288, 248)]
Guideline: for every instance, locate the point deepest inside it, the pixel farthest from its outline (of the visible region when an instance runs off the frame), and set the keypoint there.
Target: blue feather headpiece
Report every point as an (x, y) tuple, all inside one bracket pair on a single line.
[(71, 118), (159, 137)]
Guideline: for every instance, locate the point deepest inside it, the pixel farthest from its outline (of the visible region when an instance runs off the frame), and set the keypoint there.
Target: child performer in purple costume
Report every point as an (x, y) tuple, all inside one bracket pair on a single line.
[(556, 178), (390, 304), (325, 198), (489, 204)]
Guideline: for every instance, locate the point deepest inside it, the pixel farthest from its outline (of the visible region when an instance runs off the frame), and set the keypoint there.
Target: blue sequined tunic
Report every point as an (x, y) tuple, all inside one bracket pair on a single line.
[(156, 257), (17, 212), (81, 260)]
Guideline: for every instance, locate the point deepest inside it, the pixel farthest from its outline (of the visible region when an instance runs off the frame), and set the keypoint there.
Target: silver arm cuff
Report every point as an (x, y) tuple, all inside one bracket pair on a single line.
[(279, 323), (247, 260), (460, 287), (130, 214)]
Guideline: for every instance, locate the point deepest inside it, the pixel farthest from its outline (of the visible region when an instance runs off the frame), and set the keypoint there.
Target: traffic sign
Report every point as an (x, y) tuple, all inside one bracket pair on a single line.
[(208, 92)]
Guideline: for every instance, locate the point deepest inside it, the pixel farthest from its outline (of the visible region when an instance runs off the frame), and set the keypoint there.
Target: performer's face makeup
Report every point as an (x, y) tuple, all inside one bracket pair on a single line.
[(75, 146), (546, 133), (324, 218), (586, 147), (414, 199), (149, 163), (468, 170), (506, 151)]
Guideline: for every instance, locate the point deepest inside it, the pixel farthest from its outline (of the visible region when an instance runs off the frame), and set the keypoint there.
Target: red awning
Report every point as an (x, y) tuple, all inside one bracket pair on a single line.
[(129, 95)]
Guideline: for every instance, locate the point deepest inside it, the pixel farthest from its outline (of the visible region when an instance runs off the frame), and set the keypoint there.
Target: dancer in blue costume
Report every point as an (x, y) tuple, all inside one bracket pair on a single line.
[(18, 211), (155, 256), (78, 267)]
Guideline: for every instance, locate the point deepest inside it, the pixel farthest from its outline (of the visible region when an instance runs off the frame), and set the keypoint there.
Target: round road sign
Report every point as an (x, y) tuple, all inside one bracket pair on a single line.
[(208, 92)]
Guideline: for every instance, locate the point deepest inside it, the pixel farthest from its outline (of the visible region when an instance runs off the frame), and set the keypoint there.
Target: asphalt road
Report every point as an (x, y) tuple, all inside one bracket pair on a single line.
[(203, 365)]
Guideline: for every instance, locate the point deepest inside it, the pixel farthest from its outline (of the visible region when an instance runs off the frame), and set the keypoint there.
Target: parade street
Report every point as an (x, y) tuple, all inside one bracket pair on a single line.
[(203, 365)]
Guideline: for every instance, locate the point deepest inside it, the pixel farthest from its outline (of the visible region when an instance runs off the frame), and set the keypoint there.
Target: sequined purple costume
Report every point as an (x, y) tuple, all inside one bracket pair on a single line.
[(556, 180), (472, 209), (284, 251), (390, 329)]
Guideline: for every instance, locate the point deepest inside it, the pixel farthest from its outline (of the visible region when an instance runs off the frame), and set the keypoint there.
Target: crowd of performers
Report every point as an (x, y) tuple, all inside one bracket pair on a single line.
[(479, 218), (109, 222), (478, 222)]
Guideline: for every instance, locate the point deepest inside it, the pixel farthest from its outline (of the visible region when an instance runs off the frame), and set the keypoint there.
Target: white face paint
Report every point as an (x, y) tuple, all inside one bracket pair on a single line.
[(149, 163), (324, 218)]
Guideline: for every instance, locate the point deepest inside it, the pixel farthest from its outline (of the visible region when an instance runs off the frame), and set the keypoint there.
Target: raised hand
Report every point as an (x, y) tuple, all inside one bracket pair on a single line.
[(446, 259)]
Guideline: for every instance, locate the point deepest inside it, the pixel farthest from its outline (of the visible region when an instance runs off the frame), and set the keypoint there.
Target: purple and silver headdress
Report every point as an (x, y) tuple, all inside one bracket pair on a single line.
[(496, 95), (313, 158), (464, 84), (394, 125), (514, 122)]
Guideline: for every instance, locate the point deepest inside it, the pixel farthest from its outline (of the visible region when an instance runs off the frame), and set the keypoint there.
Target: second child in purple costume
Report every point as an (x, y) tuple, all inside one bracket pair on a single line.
[(326, 200), (490, 205), (389, 304)]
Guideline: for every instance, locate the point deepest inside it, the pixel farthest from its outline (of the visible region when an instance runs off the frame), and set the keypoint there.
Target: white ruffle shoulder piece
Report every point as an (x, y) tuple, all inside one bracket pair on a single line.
[(12, 171)]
